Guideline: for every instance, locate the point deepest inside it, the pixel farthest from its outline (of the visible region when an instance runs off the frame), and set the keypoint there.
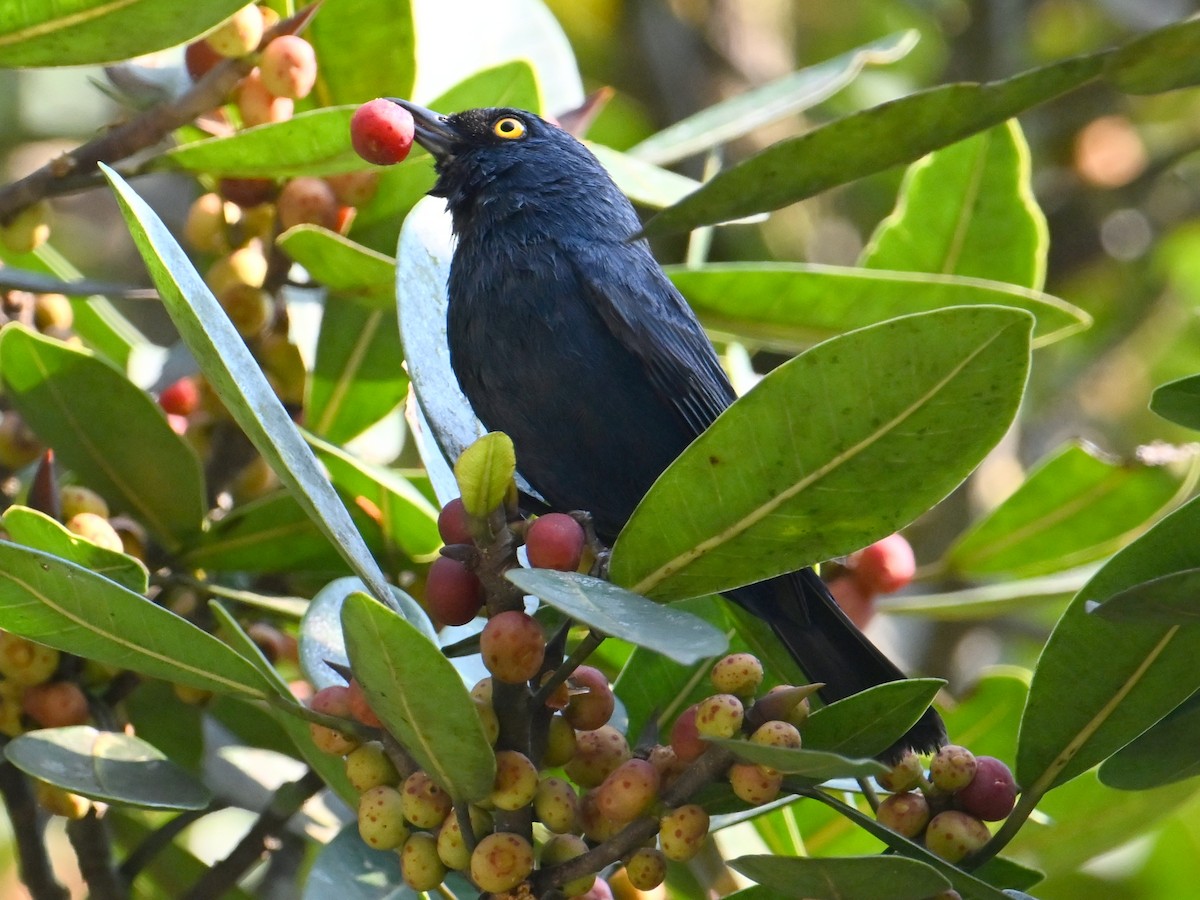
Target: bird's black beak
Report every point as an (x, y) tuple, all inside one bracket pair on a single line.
[(430, 129)]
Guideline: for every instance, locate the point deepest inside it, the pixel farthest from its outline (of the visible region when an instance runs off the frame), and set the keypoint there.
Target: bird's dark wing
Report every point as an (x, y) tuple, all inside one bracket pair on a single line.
[(647, 314)]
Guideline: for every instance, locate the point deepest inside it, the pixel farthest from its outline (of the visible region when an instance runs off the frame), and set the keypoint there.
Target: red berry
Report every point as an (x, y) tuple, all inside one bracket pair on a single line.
[(180, 398), (513, 646), (381, 132), (453, 592), (991, 794), (886, 566), (555, 541), (592, 703), (454, 525)]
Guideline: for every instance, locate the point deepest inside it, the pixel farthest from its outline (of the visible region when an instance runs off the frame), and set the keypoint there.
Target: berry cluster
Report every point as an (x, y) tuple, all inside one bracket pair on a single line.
[(947, 807)]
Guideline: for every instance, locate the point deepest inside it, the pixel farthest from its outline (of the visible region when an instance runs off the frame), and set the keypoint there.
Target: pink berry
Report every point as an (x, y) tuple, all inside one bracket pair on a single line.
[(887, 565), (555, 541), (289, 66), (512, 645), (381, 132)]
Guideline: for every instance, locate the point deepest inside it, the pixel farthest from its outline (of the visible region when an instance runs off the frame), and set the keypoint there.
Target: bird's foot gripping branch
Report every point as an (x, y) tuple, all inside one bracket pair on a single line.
[(562, 768)]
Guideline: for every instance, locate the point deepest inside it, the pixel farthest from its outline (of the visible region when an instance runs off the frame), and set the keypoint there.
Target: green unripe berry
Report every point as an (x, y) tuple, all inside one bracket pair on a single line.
[(682, 832), (426, 805), (26, 662), (369, 766), (952, 768), (739, 674), (75, 498), (381, 818), (516, 780), (420, 865), (501, 861), (953, 834), (754, 784), (560, 743), (646, 868), (561, 848), (451, 847), (719, 716), (905, 775), (556, 805)]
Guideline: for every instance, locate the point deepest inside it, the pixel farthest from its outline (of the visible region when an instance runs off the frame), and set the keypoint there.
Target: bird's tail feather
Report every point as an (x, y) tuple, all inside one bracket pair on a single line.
[(827, 645)]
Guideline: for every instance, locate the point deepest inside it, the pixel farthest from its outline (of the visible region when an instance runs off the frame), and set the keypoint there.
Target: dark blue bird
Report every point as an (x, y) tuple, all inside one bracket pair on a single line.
[(568, 337)]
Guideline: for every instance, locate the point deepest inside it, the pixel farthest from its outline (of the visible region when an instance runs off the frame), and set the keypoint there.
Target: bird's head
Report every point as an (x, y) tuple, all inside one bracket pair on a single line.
[(502, 161)]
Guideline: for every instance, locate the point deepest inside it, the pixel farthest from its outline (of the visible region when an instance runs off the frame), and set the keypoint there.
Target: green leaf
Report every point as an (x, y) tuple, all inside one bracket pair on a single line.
[(97, 321), (37, 530), (968, 210), (1120, 678), (896, 132), (314, 142), (407, 520), (104, 429), (358, 377), (1164, 754), (990, 600), (815, 764), (731, 119), (793, 305), (350, 870), (644, 183), (366, 48), (870, 721), (852, 878), (1179, 401), (1161, 60), (173, 870), (1165, 600), (419, 696), (81, 32), (58, 603), (108, 766), (801, 469), (175, 728), (269, 534), (229, 367), (1083, 819), (615, 611), (340, 264), (1074, 508)]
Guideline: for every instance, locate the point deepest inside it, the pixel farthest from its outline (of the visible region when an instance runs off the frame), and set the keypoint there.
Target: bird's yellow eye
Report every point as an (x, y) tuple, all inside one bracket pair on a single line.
[(510, 128)]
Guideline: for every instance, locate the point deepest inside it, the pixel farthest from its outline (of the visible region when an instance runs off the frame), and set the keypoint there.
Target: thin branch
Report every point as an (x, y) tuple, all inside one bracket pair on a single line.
[(77, 169), (32, 860), (285, 803), (159, 839), (92, 842), (585, 648)]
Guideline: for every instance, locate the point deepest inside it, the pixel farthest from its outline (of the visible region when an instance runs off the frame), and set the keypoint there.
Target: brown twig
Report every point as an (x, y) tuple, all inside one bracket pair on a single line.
[(77, 169), (285, 803), (32, 860), (93, 847)]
